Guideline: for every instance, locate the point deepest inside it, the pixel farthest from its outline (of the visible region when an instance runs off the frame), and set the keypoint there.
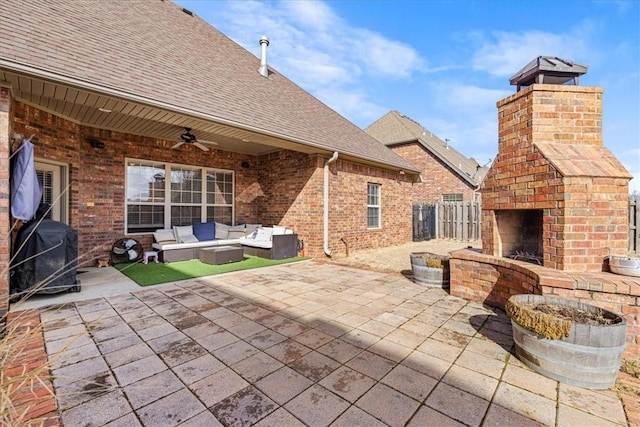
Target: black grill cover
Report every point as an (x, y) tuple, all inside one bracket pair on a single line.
[(46, 258)]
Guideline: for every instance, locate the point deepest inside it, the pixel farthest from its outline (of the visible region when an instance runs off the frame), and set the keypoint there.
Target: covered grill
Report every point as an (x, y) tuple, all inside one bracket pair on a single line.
[(46, 259)]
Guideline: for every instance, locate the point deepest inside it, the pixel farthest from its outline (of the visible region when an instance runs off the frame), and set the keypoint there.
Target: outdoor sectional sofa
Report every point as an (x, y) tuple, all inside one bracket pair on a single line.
[(184, 242)]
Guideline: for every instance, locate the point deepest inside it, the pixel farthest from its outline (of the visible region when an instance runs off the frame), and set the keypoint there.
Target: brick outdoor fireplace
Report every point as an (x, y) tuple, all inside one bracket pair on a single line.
[(554, 203), (554, 194)]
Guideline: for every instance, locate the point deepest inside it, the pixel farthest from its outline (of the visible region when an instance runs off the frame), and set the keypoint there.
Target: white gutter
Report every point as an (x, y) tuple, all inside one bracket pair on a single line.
[(333, 158)]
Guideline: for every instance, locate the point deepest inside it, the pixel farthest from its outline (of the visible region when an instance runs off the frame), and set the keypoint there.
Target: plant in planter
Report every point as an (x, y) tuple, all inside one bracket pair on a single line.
[(566, 340), (430, 269)]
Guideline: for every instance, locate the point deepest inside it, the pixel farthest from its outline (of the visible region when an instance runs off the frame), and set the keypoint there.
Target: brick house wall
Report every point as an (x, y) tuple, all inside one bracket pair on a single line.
[(439, 178), (293, 186), (582, 215), (5, 129), (283, 187), (348, 207), (97, 176)]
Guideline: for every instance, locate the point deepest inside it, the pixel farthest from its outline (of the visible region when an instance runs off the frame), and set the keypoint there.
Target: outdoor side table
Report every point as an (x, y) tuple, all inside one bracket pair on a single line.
[(221, 254)]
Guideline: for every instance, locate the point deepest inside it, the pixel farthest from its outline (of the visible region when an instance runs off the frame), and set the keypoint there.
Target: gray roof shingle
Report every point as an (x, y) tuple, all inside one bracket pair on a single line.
[(152, 49), (395, 128)]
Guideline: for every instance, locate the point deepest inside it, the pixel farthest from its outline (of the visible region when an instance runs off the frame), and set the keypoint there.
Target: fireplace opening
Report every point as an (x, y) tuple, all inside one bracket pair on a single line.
[(520, 234)]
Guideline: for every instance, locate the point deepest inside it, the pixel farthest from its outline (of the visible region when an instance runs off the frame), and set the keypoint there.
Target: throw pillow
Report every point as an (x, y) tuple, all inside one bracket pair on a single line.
[(204, 230), (222, 231), (264, 234), (180, 231), (236, 233), (164, 236)]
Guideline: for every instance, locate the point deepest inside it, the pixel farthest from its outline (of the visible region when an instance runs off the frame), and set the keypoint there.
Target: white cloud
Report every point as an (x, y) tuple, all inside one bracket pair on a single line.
[(461, 96), (502, 54), (312, 46), (352, 104), (320, 52)]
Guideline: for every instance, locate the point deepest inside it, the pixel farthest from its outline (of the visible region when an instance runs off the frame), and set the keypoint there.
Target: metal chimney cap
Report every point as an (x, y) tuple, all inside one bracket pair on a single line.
[(550, 70), (264, 39)]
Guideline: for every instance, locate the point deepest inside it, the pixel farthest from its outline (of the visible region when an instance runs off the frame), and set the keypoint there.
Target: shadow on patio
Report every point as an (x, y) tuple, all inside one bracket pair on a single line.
[(301, 344)]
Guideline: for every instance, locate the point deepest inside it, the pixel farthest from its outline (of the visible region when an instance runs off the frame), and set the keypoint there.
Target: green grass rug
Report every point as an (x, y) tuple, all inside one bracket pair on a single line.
[(153, 274)]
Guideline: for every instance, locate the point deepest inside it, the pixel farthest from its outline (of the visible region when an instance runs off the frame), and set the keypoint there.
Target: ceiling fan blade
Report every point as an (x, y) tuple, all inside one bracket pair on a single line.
[(177, 145), (200, 146), (204, 141)]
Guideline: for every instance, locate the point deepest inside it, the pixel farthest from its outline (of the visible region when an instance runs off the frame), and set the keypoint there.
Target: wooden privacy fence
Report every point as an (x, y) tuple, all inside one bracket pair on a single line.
[(634, 223), (446, 220), (459, 220), (424, 222)]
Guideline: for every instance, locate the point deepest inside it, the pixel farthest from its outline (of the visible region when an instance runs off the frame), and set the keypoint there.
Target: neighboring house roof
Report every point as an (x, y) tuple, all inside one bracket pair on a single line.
[(157, 53), (395, 128)]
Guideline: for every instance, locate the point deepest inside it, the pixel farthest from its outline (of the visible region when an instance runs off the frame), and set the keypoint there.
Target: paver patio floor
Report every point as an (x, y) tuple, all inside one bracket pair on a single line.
[(300, 344)]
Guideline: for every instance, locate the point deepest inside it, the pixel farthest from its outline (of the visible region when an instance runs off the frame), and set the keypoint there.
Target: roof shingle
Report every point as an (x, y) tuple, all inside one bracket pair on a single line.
[(152, 49), (395, 128)]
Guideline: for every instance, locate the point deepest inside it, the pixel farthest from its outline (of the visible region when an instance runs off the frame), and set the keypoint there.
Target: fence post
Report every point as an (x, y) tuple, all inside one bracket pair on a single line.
[(634, 223)]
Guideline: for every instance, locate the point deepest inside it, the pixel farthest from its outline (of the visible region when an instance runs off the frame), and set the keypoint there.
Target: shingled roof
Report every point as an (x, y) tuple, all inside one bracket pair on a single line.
[(160, 54), (395, 128)]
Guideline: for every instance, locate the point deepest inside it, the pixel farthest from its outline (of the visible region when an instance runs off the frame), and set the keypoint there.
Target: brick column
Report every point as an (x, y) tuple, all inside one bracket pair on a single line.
[(5, 250)]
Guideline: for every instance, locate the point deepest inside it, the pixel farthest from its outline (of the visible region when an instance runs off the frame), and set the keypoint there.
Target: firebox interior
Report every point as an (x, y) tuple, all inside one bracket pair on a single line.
[(520, 234)]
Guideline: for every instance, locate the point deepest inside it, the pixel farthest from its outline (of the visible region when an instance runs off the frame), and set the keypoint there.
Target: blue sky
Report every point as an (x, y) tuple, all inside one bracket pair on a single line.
[(445, 64)]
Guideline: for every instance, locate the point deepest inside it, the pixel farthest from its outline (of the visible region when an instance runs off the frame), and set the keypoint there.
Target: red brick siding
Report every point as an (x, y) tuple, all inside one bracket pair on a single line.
[(293, 186), (283, 187), (291, 195), (348, 207), (97, 176), (582, 216), (438, 178), (5, 130), (490, 280)]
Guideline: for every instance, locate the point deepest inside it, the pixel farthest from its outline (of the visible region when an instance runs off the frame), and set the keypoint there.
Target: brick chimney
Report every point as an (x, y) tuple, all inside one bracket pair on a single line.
[(554, 194)]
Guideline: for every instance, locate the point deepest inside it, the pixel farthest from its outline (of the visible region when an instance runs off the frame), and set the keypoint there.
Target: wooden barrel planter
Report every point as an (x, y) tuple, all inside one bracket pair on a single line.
[(430, 269), (589, 356)]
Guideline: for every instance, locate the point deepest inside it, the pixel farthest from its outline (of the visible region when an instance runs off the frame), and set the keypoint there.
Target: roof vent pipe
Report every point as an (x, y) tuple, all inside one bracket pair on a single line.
[(263, 70)]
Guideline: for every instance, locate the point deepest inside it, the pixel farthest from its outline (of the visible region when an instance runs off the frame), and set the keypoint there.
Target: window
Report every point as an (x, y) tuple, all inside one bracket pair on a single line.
[(373, 205), (453, 197), (190, 197), (53, 178)]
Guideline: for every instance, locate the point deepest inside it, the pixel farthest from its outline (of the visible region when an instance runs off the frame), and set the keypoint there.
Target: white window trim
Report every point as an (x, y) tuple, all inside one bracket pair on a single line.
[(378, 206), (60, 184), (167, 191)]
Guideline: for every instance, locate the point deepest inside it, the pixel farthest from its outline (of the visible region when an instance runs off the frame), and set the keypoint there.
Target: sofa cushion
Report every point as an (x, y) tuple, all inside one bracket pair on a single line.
[(250, 228), (164, 236), (204, 230), (188, 238), (236, 232), (183, 230), (222, 230), (279, 229), (263, 234)]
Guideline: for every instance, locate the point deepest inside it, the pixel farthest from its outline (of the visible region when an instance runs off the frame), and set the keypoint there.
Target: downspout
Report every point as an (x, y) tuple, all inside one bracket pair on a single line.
[(333, 158)]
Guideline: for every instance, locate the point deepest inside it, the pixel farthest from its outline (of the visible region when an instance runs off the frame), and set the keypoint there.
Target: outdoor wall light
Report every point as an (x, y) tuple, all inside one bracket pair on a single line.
[(96, 144)]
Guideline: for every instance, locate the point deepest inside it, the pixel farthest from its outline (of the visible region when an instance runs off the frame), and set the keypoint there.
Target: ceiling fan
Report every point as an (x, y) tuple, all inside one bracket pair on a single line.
[(188, 138)]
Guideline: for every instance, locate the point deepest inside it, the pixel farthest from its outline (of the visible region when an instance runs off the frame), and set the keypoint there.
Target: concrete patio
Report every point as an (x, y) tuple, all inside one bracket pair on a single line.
[(300, 344)]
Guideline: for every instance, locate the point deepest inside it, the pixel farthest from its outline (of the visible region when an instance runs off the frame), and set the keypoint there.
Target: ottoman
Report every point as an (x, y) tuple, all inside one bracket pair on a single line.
[(221, 254)]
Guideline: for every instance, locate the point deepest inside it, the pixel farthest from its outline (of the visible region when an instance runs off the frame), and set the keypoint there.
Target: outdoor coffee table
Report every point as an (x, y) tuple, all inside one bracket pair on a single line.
[(221, 254)]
